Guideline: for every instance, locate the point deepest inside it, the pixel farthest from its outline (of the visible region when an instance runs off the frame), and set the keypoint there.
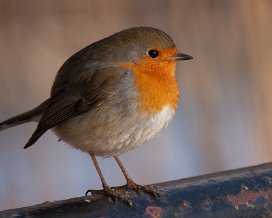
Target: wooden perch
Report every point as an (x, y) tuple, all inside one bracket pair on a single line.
[(244, 192)]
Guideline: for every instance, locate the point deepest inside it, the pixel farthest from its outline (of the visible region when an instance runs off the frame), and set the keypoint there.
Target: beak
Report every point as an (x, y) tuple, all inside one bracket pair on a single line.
[(181, 57)]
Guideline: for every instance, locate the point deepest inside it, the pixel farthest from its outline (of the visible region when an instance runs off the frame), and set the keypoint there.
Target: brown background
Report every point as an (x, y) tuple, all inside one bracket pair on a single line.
[(224, 119)]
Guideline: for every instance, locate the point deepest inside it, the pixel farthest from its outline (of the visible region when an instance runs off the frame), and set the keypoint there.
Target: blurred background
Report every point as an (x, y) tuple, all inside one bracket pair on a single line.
[(224, 120)]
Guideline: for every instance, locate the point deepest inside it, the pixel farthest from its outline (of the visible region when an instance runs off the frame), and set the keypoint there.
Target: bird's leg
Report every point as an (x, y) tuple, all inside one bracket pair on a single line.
[(104, 183), (106, 188), (131, 184)]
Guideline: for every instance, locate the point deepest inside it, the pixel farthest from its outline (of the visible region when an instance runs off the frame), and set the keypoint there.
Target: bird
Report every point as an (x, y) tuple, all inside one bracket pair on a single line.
[(111, 97)]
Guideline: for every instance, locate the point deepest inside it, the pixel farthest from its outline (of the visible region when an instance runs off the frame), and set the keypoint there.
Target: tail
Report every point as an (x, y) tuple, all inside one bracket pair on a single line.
[(32, 115)]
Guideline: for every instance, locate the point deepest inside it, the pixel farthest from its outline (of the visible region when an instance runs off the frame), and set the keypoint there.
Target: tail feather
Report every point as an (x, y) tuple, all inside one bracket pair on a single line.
[(32, 115)]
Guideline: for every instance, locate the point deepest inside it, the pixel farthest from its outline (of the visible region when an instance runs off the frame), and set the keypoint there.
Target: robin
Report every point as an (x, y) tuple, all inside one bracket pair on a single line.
[(111, 97)]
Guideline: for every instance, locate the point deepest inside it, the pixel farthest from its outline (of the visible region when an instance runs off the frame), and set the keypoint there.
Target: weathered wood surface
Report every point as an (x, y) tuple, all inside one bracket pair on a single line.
[(243, 192)]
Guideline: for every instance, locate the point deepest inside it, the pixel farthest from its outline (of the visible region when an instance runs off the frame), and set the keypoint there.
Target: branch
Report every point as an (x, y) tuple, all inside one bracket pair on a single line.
[(244, 192)]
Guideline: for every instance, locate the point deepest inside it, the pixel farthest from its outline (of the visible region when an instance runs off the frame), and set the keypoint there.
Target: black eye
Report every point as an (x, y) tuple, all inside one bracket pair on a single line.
[(153, 53)]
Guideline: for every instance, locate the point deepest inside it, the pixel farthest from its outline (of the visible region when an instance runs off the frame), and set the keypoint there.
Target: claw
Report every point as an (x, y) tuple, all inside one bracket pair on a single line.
[(111, 193), (144, 188)]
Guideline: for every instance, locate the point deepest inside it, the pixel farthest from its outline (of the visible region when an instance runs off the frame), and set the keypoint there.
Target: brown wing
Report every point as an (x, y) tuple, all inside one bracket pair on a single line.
[(59, 108), (80, 84)]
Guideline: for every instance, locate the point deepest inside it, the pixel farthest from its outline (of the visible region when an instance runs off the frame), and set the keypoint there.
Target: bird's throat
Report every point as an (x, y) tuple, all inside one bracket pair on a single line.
[(156, 84), (157, 89)]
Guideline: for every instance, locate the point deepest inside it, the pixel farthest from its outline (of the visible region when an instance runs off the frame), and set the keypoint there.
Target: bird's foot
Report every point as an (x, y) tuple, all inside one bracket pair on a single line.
[(144, 188), (116, 195)]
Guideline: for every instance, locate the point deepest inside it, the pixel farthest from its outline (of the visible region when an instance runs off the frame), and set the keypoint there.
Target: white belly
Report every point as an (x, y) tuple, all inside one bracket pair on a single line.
[(111, 137)]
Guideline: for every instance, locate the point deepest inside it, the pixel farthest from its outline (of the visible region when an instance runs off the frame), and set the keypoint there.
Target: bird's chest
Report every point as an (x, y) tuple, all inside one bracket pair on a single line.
[(156, 85), (156, 90)]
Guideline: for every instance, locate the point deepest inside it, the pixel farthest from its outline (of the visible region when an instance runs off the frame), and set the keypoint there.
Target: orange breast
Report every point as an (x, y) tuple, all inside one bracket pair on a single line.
[(155, 80)]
